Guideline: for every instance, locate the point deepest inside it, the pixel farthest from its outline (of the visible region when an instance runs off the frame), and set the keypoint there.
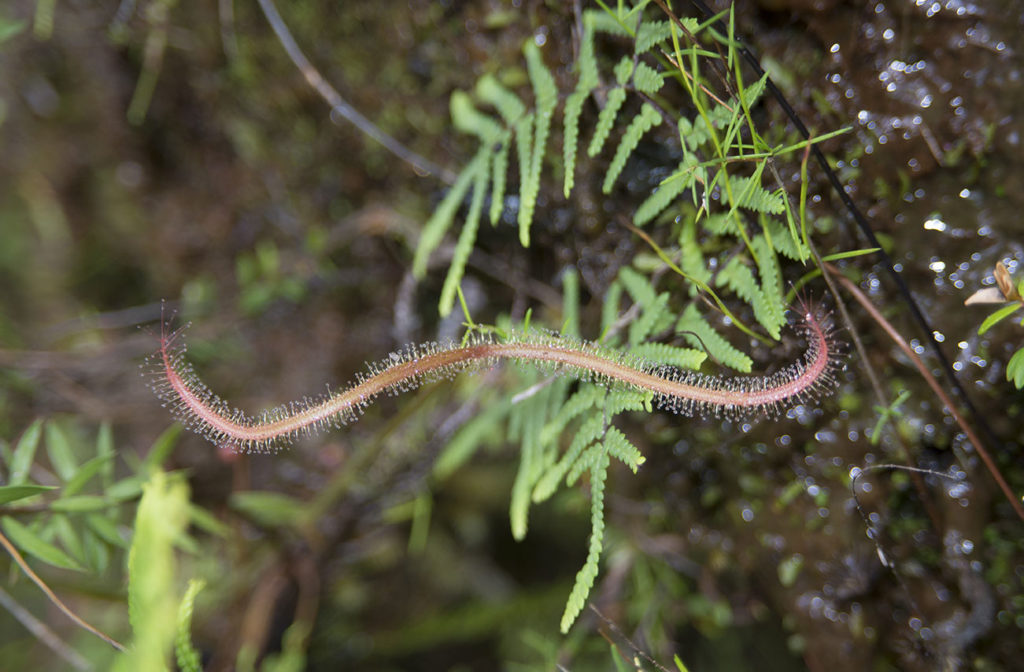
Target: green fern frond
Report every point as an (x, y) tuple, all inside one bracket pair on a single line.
[(470, 437), (781, 239), (467, 119), (606, 120), (638, 286), (738, 277), (618, 446), (691, 259), (589, 431), (749, 194), (186, 654), (545, 94), (588, 81), (610, 306), (508, 104), (443, 216), (654, 315), (573, 109), (752, 93), (771, 277), (499, 176), (647, 119), (653, 318), (604, 22), (700, 334), (621, 399), (662, 353), (584, 399), (667, 191), (653, 32), (467, 239), (530, 416), (646, 79), (585, 577), (721, 224)]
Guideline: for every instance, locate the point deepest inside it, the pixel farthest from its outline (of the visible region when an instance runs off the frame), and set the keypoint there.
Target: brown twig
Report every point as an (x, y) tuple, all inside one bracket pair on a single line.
[(20, 561), (340, 107)]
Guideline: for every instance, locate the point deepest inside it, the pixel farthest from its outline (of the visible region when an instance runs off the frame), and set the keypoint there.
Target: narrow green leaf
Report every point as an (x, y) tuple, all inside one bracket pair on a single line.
[(997, 317), (105, 448), (162, 447), (106, 529), (80, 503), (1015, 369), (68, 537), (206, 521), (271, 509), (12, 493), (25, 453), (58, 448), (85, 474), (29, 542)]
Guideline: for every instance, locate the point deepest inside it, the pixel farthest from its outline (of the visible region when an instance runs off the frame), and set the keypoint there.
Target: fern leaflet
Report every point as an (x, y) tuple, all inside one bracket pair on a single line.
[(585, 577)]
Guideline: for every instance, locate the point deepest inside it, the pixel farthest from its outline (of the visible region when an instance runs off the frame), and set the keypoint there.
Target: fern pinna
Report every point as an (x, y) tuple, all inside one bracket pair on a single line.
[(727, 231), (728, 228)]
